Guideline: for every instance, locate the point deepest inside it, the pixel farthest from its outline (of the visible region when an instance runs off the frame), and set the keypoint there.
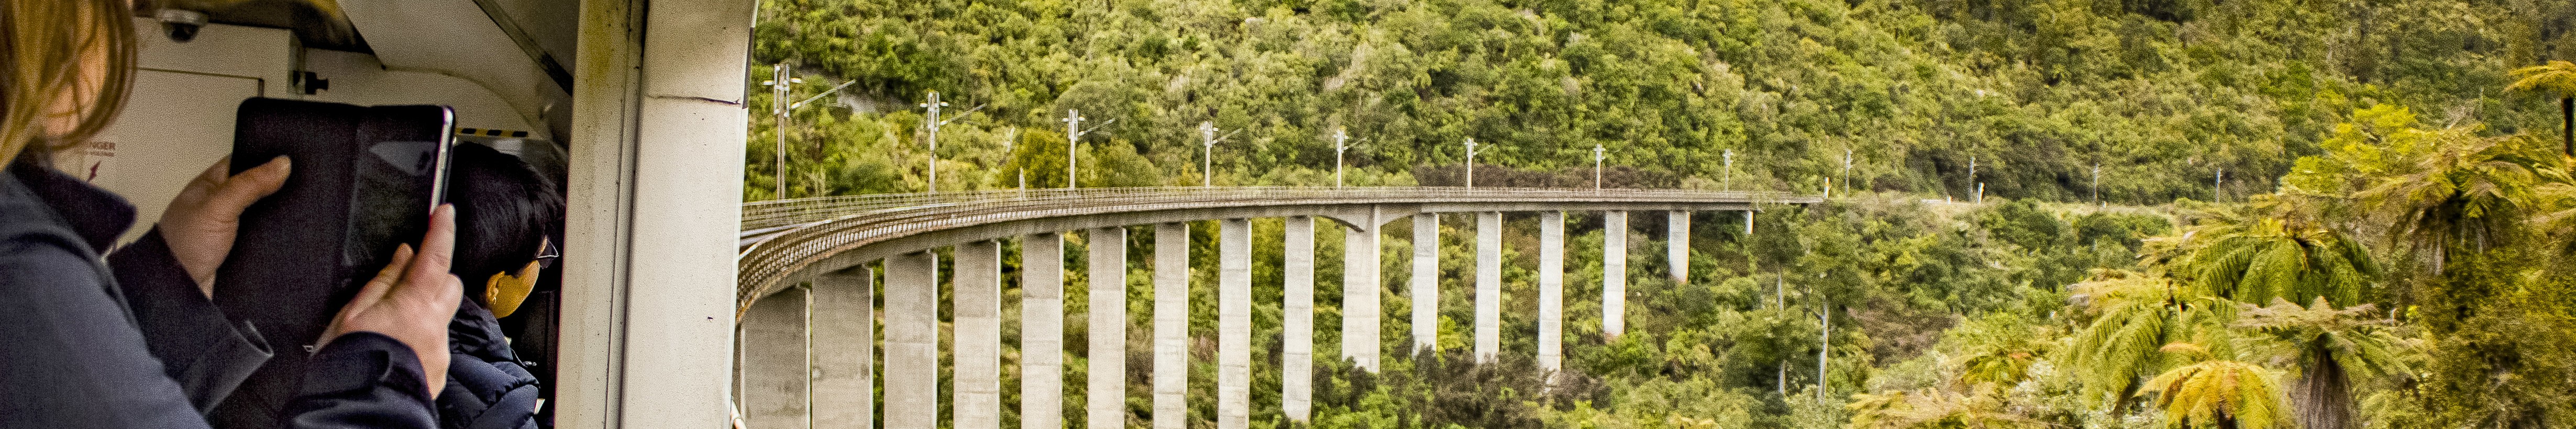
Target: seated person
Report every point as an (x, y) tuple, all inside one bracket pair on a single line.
[(507, 218)]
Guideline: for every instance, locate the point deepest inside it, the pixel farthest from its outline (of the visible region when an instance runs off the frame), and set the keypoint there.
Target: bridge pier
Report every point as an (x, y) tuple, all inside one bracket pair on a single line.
[(1234, 324), (977, 309), (1105, 395), (844, 336), (1171, 325), (912, 340), (1360, 291), (1677, 244), (1614, 273), (1551, 291), (1042, 331), (1426, 282), (774, 361), (1297, 313), (1489, 285)]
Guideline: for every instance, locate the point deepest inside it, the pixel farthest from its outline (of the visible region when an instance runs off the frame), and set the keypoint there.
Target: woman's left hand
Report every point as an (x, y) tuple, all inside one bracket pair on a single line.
[(202, 221)]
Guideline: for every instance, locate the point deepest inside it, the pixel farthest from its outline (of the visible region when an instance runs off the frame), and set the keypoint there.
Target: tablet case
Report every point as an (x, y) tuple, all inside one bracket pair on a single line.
[(301, 252)]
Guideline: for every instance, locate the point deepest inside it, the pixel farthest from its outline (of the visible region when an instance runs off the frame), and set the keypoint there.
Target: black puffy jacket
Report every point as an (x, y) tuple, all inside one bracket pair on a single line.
[(488, 387)]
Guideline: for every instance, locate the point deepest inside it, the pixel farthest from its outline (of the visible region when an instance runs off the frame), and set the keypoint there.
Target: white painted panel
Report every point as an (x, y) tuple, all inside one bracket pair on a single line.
[(266, 54), (359, 79), (174, 125)]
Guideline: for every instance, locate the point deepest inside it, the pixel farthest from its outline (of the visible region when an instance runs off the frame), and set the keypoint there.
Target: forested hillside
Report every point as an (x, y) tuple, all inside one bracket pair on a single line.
[(2161, 94), (2387, 247)]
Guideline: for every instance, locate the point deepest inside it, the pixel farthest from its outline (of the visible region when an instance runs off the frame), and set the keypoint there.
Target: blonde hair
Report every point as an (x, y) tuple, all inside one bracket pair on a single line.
[(45, 46)]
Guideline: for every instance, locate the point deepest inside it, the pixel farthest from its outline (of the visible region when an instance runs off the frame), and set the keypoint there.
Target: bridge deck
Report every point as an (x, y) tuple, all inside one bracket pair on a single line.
[(785, 240)]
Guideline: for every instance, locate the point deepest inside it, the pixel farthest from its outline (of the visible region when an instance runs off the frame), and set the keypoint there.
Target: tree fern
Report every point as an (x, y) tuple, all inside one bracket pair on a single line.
[(2557, 79), (2275, 249), (2217, 394), (2332, 349), (2136, 314)]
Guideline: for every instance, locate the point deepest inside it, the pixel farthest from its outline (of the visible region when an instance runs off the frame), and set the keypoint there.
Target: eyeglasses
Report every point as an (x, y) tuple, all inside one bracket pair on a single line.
[(547, 255)]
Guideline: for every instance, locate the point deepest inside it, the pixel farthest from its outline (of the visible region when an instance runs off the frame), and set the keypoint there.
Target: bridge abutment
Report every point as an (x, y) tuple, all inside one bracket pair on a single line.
[(912, 340), (1614, 273), (1360, 293), (1551, 291), (1171, 325), (1426, 282), (1042, 331), (843, 315), (1489, 285), (1234, 324), (1297, 315), (977, 311), (774, 363), (1677, 245), (1105, 393)]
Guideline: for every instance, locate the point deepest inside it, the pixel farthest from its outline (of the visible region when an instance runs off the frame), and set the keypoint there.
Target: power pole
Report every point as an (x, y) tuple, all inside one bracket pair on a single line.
[(1207, 135), (1471, 162), (1010, 145), (1341, 144), (778, 83), (1726, 177), (1598, 155), (1072, 135), (1972, 180), (1847, 165), (933, 123)]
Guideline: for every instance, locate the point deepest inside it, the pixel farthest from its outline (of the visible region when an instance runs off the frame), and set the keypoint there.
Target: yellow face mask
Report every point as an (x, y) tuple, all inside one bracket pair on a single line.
[(505, 291)]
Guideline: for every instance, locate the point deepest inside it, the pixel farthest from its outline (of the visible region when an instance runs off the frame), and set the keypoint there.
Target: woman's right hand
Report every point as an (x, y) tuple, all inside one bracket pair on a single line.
[(412, 300)]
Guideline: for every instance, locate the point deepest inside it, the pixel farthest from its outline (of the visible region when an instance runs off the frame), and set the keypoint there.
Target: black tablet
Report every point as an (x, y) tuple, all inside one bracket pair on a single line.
[(365, 181)]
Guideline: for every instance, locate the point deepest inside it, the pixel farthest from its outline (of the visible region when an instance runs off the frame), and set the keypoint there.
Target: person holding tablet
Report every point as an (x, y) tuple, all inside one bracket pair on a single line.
[(142, 345)]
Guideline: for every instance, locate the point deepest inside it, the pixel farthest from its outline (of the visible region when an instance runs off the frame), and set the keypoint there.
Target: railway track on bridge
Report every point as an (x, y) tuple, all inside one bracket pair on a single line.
[(786, 240)]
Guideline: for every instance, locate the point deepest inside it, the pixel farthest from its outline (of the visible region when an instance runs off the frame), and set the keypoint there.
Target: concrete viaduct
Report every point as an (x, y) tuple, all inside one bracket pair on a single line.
[(804, 352)]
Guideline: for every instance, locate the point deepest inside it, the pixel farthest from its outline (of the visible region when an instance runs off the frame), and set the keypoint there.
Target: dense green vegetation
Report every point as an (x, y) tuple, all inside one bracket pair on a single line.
[(2387, 249)]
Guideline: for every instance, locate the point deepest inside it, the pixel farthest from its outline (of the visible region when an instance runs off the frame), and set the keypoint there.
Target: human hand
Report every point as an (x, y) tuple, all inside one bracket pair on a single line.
[(201, 222), (412, 300)]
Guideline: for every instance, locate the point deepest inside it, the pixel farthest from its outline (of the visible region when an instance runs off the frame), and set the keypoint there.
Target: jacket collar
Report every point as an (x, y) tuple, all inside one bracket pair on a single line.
[(94, 214)]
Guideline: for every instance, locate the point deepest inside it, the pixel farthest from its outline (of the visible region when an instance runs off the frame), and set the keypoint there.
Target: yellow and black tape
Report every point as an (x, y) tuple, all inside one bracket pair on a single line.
[(491, 132)]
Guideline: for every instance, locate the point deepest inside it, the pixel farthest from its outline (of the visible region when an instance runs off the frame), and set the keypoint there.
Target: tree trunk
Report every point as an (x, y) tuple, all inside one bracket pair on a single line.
[(2567, 124), (2324, 398)]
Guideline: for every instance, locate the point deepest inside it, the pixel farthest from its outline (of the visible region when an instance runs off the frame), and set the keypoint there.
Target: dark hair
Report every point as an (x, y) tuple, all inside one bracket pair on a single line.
[(502, 208)]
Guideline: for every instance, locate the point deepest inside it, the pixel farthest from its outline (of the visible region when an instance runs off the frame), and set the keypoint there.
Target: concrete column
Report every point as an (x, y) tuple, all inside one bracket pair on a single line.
[(773, 361), (649, 307), (1042, 331), (1171, 325), (1297, 312), (1234, 324), (1426, 282), (844, 329), (912, 340), (1677, 244), (1105, 396), (977, 309), (1489, 285), (1551, 290), (1360, 297), (1614, 273)]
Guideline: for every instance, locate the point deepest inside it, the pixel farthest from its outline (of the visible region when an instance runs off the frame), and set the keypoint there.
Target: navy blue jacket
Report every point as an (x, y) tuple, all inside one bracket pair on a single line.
[(84, 346)]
